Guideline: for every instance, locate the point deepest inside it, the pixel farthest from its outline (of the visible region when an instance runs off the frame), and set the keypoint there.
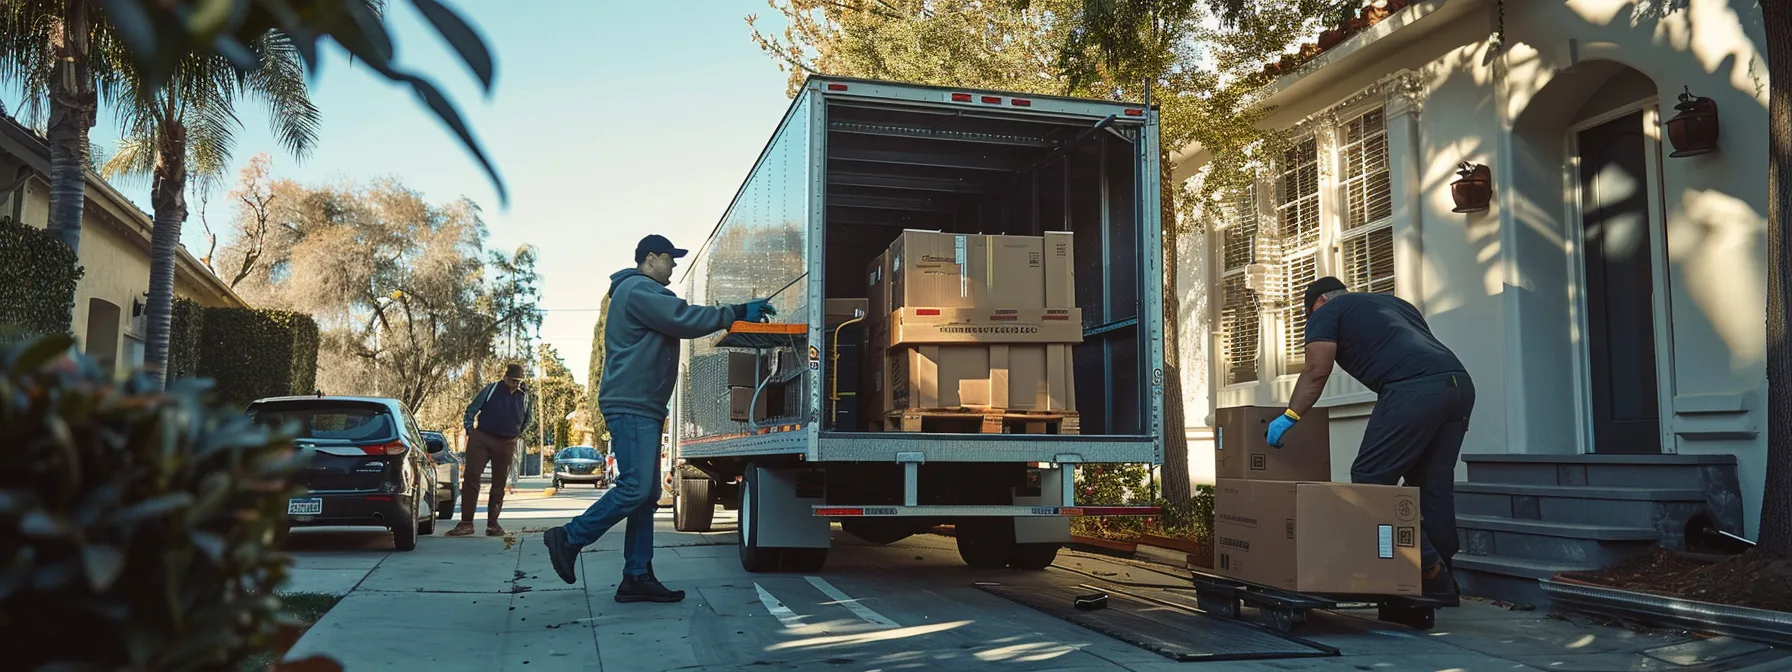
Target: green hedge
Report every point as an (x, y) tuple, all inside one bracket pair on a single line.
[(186, 338), (37, 282), (258, 353)]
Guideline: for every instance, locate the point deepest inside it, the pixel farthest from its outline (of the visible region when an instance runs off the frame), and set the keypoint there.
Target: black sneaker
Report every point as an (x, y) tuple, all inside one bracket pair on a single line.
[(646, 588), (1442, 588), (561, 553)]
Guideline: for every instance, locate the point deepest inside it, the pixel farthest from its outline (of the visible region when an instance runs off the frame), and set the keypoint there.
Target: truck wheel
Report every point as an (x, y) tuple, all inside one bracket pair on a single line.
[(982, 552), (804, 559), (1033, 557), (880, 532), (693, 508), (753, 557)]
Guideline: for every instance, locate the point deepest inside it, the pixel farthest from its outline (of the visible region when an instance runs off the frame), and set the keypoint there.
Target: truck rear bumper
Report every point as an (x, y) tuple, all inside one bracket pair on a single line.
[(1020, 511), (886, 446)]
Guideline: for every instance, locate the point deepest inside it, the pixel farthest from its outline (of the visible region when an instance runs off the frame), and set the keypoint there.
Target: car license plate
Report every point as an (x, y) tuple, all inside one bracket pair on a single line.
[(306, 506)]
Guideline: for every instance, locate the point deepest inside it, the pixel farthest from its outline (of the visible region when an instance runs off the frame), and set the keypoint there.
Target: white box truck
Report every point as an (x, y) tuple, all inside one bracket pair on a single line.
[(852, 165)]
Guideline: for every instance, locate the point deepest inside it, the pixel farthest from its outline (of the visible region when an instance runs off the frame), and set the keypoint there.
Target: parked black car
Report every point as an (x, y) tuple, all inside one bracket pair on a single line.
[(369, 465), (447, 473)]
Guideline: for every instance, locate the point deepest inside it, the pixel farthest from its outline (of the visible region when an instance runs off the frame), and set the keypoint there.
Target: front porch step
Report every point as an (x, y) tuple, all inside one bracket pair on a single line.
[(1665, 510), (1498, 577), (1546, 541), (1620, 471)]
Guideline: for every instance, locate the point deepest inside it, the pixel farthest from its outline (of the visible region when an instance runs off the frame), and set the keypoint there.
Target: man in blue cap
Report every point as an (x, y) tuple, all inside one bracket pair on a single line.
[(644, 322), (1424, 399)]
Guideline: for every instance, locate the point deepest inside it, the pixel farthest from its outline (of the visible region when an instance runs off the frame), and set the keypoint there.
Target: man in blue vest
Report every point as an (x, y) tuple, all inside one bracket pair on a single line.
[(494, 420), (1423, 403), (643, 326)]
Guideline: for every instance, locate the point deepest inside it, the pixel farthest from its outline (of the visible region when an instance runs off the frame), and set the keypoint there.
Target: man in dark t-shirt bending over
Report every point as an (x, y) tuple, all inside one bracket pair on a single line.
[(1424, 399)]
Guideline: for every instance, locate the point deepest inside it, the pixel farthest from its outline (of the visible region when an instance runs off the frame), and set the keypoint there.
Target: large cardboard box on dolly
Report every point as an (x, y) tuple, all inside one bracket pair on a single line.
[(1341, 538), (1241, 449)]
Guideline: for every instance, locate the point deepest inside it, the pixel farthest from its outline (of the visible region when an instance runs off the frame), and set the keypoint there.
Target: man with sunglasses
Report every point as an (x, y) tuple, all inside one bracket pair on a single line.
[(1424, 399)]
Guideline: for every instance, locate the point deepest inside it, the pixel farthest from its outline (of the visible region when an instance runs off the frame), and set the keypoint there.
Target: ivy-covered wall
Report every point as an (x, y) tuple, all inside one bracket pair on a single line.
[(37, 282), (257, 353), (186, 337)]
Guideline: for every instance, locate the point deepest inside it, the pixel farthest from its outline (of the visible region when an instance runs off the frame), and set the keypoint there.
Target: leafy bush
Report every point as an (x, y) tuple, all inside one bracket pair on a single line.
[(140, 527), (1129, 485), (258, 353), (186, 337), (38, 274)]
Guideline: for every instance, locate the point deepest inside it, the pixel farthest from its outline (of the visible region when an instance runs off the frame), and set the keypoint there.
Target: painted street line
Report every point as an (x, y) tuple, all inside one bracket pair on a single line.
[(864, 613), (784, 614)]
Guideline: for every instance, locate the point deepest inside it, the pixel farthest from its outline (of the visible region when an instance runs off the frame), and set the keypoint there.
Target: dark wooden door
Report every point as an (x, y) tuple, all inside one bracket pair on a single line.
[(1620, 286)]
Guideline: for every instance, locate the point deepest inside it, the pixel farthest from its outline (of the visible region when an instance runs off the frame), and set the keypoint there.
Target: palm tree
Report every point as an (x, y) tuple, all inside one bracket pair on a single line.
[(46, 49), (187, 126)]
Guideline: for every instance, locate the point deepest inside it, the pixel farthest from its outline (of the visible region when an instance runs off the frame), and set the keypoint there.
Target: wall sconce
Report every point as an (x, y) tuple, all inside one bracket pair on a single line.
[(1473, 188), (1694, 130)]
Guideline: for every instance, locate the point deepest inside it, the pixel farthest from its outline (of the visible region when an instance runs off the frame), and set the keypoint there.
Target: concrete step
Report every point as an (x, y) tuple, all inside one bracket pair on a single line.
[(1516, 567), (1667, 510), (1546, 541), (1625, 471), (1493, 583)]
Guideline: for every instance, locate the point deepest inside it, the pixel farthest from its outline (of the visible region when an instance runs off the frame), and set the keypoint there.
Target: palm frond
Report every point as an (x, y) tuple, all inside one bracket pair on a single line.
[(280, 83), (133, 163)]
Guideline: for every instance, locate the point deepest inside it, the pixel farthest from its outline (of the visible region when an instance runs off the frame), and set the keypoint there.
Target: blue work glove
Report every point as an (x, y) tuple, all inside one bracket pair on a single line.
[(1280, 426), (759, 309)]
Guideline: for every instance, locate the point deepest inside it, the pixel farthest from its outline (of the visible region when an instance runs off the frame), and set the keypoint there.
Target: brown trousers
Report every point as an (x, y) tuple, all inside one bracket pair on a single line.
[(483, 448)]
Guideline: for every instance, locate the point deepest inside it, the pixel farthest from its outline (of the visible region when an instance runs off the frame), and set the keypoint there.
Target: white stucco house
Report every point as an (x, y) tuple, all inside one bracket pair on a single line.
[(1609, 302)]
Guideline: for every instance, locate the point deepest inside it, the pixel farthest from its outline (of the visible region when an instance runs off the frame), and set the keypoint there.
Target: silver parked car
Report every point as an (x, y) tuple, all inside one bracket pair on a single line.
[(447, 474), (578, 464)]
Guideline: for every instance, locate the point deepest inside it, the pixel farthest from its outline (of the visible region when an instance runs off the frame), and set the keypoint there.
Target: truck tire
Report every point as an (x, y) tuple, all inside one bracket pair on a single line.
[(753, 557), (986, 543), (804, 559), (880, 532), (693, 507), (1033, 557)]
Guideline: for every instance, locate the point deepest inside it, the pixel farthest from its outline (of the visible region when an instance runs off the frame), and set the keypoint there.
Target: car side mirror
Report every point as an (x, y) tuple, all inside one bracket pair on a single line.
[(434, 445)]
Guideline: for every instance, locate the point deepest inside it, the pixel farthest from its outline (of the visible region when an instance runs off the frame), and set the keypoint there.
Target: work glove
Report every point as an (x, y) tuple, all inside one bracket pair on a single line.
[(759, 309), (1280, 426)]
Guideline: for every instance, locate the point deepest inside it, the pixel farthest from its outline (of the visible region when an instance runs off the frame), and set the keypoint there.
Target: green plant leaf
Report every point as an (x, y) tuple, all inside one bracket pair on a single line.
[(151, 508), (461, 36), (42, 524), (103, 564), (41, 352), (211, 544)]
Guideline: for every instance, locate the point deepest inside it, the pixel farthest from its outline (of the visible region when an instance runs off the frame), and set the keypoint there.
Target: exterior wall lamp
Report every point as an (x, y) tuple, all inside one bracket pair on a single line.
[(1473, 188), (1694, 130)]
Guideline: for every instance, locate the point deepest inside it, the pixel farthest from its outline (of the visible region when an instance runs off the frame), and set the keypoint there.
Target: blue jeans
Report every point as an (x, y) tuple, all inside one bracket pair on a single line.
[(635, 496)]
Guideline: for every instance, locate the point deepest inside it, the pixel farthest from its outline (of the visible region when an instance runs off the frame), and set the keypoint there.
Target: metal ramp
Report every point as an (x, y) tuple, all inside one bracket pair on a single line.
[(1171, 630)]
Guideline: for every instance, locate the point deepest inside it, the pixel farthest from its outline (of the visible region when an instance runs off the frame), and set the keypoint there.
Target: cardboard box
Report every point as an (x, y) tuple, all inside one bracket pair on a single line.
[(1241, 448), (1060, 270), (933, 269), (1318, 537), (836, 311), (740, 397), (877, 287), (1021, 377), (915, 326), (1014, 273), (743, 369)]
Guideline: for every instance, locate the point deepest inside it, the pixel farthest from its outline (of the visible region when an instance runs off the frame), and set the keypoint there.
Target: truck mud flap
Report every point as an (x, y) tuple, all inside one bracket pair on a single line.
[(1182, 635)]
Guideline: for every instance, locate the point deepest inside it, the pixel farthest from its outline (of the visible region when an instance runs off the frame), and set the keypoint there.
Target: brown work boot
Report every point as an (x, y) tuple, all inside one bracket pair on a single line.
[(493, 529), (464, 528)]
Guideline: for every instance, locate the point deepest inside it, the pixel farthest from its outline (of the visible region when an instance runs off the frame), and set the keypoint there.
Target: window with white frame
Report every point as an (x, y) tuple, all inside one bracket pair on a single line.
[(1366, 236), (1240, 330), (1297, 234)]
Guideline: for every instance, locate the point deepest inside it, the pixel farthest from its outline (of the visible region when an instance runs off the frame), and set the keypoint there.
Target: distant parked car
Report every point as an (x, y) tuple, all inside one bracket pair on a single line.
[(447, 474), (578, 464), (368, 464)]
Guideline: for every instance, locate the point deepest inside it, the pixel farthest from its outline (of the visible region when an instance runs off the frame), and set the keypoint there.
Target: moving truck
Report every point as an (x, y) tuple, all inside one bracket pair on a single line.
[(853, 167)]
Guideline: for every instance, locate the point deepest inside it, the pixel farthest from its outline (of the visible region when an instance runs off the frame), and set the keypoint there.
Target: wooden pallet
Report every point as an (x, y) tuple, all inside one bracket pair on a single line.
[(982, 421)]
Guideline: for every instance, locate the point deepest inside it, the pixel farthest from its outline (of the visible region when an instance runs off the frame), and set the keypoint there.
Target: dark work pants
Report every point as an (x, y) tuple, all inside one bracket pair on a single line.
[(1415, 434), (483, 448)]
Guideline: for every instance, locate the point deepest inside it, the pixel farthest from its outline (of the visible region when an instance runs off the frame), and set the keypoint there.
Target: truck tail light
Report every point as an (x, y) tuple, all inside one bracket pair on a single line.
[(961, 97), (1020, 102), (992, 100), (836, 87), (1135, 113)]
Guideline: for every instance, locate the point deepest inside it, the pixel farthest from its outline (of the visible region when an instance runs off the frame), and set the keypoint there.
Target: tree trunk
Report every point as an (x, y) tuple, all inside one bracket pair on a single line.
[(168, 195), (1176, 487), (73, 103), (1776, 501)]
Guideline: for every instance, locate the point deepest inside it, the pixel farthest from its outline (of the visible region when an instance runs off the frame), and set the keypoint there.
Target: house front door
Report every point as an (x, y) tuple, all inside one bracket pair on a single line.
[(1619, 286)]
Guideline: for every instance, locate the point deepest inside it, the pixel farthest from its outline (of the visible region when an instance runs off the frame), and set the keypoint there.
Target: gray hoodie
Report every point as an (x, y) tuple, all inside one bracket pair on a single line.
[(645, 323)]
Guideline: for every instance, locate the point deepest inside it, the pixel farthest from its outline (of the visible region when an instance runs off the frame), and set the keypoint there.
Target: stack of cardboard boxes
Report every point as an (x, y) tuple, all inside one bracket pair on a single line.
[(1279, 521), (971, 321)]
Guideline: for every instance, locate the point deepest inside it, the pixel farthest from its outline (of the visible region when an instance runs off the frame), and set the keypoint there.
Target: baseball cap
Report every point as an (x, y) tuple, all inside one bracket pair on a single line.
[(1321, 287), (656, 244)]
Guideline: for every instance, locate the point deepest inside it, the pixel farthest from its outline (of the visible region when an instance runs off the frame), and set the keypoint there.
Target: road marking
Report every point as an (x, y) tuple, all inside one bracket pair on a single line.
[(784, 614), (863, 612)]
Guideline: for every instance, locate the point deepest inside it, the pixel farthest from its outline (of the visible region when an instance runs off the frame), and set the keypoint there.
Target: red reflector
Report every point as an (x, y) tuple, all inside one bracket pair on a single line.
[(393, 448), (961, 97), (927, 311), (839, 512), (379, 498), (992, 100), (1135, 113), (836, 87), (1020, 102)]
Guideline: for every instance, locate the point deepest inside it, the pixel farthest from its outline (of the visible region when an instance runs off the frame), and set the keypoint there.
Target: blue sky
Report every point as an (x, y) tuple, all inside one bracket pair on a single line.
[(608, 121)]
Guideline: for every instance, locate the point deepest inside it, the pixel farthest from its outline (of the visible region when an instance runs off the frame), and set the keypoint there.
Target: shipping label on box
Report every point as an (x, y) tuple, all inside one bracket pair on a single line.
[(1241, 445), (910, 326), (1060, 270), (1340, 538)]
